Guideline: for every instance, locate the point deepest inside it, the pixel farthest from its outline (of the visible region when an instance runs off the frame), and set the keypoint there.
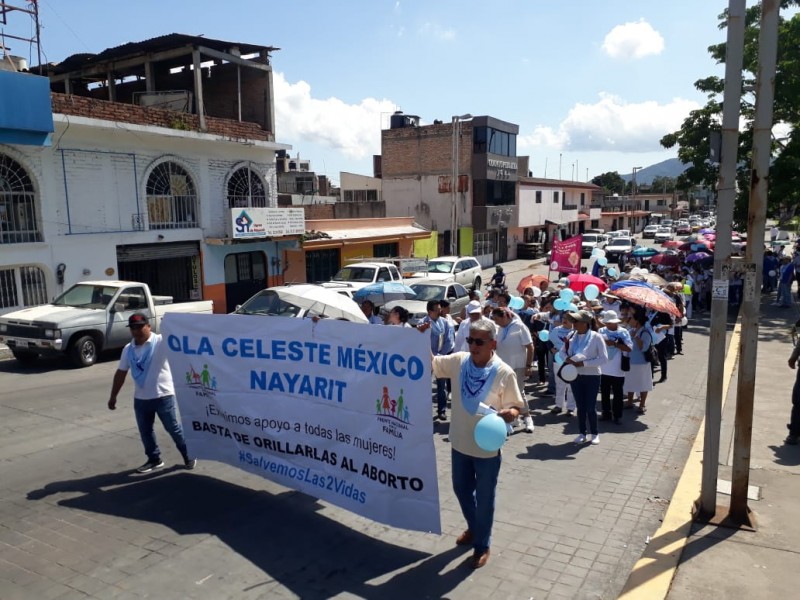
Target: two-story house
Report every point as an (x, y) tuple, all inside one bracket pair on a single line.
[(160, 149)]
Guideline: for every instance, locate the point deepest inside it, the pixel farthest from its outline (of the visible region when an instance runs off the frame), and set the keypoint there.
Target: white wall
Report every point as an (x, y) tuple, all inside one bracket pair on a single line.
[(532, 214), (421, 199), (84, 216)]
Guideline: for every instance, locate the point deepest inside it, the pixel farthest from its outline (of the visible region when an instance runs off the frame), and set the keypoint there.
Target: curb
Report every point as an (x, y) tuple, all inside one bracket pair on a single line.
[(651, 576), (5, 352)]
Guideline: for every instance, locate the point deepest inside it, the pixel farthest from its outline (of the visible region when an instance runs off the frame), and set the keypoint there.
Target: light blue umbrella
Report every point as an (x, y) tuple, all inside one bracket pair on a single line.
[(385, 291), (644, 251)]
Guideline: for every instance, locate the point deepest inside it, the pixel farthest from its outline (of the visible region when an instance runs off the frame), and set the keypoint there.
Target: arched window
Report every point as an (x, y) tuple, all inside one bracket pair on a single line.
[(246, 189), (171, 198), (17, 204)]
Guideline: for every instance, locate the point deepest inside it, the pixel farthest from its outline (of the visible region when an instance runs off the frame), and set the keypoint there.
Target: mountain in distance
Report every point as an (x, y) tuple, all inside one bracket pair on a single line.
[(672, 167)]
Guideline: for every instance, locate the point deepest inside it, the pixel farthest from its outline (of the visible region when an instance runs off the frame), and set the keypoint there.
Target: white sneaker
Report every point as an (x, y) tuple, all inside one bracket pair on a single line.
[(528, 424), (595, 440), (515, 423), (589, 437), (581, 439)]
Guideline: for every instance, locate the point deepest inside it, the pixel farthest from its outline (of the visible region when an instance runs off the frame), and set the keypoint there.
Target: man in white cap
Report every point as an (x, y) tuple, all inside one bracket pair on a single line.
[(474, 312)]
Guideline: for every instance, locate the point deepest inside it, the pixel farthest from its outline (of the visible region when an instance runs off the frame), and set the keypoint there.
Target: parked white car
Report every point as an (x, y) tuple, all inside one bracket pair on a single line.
[(590, 241), (360, 275), (465, 270), (619, 246)]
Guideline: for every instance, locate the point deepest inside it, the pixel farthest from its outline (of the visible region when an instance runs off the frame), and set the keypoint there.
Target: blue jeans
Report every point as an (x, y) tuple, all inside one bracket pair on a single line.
[(585, 388), (441, 395), (474, 483), (146, 411), (785, 294)]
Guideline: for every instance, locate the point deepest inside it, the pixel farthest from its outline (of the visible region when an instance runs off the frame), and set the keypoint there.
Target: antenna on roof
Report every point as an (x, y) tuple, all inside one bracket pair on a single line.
[(8, 8)]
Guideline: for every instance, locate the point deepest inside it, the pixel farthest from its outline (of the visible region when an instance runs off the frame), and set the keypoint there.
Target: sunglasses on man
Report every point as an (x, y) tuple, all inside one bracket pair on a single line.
[(476, 341)]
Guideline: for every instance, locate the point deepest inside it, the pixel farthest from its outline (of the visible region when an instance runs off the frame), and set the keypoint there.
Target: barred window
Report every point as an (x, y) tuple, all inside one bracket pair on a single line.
[(246, 189), (27, 283), (171, 198), (18, 223)]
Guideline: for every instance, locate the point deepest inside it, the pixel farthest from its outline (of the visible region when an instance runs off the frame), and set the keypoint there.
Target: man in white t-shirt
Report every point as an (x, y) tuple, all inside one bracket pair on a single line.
[(515, 348), (145, 356)]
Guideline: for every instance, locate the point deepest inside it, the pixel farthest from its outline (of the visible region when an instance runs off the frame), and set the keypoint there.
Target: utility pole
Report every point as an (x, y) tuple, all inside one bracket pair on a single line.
[(706, 506), (632, 221), (754, 256), (456, 132)]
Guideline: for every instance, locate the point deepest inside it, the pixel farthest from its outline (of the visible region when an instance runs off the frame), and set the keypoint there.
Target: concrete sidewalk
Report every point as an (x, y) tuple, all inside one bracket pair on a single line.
[(725, 563)]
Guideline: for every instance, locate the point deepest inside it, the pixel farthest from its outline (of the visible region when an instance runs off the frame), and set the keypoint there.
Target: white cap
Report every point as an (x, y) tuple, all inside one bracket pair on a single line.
[(474, 307), (609, 316)]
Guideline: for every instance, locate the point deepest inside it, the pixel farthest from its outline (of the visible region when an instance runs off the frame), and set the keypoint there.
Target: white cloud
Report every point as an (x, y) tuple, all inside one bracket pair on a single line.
[(611, 124), (437, 31), (352, 129), (633, 40)]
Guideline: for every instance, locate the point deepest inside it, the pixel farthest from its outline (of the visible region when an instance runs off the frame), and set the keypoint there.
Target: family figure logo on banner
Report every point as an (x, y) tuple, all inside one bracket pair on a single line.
[(308, 409), (565, 256)]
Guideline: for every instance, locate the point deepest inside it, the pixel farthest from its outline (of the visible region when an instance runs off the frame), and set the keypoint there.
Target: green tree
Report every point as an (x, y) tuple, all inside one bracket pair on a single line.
[(693, 138), (662, 185), (612, 182)]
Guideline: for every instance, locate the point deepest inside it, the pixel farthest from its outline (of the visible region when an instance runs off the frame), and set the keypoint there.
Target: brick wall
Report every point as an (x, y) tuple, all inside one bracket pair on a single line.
[(81, 106), (319, 211), (410, 151)]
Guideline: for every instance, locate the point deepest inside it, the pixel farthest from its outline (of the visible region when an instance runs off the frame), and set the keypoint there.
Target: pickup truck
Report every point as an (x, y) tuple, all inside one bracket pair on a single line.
[(88, 318), (359, 275)]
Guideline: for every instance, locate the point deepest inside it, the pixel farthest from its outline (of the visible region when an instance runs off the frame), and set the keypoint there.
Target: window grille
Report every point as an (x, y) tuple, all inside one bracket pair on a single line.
[(246, 189), (18, 223), (27, 282), (171, 198)]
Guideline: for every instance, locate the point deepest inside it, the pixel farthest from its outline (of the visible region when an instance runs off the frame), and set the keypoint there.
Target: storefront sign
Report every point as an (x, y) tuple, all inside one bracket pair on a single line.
[(267, 222)]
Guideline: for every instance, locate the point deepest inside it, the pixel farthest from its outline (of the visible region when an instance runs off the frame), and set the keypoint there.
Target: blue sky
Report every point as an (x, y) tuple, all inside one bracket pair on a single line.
[(597, 83)]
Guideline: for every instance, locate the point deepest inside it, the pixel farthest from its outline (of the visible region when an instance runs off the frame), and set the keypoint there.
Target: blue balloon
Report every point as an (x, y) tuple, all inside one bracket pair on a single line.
[(566, 294), (558, 359), (516, 303), (544, 335), (591, 292), (602, 261), (490, 433), (560, 304), (572, 308), (612, 272), (693, 247)]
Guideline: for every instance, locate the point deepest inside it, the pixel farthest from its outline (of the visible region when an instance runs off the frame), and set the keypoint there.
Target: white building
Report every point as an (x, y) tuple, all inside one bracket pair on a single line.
[(128, 190)]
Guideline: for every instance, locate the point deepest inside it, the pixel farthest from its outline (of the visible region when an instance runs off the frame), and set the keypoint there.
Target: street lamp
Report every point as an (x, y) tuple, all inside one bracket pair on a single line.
[(457, 119), (633, 198)]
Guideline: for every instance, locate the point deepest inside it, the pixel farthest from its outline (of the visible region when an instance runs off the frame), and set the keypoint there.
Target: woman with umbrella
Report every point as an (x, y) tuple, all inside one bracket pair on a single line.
[(639, 380)]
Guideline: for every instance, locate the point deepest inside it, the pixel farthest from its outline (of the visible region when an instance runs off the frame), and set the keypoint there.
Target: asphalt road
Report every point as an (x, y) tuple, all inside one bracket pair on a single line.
[(75, 523)]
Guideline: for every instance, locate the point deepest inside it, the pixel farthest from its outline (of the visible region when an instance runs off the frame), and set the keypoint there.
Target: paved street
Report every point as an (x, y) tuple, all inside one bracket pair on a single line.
[(75, 523)]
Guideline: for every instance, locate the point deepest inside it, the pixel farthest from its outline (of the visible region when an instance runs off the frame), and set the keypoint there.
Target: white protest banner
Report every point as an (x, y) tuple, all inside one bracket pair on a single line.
[(337, 410)]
